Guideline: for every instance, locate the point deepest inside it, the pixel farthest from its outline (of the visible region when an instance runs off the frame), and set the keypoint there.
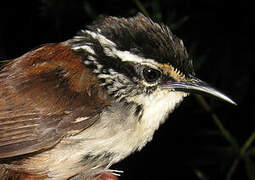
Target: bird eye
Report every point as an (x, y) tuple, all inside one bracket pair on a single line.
[(151, 75)]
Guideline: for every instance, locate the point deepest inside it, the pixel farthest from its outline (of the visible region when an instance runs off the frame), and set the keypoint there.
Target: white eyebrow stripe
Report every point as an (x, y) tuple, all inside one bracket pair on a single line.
[(125, 56), (102, 39), (86, 48)]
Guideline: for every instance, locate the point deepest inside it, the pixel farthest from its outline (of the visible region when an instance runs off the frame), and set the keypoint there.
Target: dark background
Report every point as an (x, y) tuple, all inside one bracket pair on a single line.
[(219, 36)]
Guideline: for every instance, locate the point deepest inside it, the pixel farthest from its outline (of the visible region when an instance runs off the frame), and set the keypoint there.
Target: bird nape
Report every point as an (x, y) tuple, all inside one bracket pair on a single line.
[(70, 110)]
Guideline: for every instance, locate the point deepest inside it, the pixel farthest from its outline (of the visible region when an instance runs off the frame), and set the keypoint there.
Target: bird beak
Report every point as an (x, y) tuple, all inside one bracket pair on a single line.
[(195, 85)]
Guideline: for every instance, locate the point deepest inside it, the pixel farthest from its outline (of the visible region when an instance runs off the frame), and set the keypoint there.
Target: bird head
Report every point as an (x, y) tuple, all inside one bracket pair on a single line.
[(140, 61)]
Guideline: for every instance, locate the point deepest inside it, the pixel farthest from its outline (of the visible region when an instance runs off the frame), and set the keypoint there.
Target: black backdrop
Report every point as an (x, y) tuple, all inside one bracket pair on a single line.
[(219, 37)]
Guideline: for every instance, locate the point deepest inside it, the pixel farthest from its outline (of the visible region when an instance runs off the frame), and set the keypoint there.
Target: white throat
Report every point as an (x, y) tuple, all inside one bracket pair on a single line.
[(157, 107)]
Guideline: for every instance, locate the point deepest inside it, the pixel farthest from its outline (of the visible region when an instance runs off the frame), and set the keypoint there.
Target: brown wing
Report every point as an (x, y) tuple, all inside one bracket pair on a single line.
[(42, 93)]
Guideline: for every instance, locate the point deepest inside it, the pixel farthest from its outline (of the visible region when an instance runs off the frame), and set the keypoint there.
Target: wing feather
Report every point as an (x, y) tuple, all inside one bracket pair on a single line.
[(42, 93)]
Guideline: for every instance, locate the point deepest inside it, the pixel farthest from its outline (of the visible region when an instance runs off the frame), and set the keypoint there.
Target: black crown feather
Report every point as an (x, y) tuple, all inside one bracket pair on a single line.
[(141, 36)]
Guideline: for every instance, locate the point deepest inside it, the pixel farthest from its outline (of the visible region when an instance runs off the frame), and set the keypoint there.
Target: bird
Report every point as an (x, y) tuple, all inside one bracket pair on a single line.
[(70, 110)]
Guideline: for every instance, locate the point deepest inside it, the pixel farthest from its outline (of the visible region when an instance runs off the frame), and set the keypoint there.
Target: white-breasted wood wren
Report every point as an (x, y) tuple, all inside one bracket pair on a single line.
[(70, 110)]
